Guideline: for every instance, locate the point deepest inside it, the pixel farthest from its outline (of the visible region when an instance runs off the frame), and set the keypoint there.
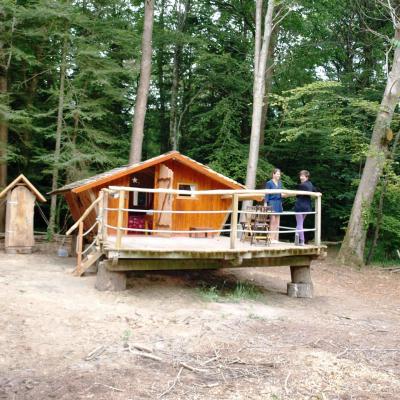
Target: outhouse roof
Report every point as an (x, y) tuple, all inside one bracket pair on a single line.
[(105, 177), (22, 179)]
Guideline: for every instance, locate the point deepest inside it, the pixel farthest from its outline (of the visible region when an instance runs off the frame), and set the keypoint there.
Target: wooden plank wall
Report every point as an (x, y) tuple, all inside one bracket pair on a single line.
[(79, 202), (184, 174)]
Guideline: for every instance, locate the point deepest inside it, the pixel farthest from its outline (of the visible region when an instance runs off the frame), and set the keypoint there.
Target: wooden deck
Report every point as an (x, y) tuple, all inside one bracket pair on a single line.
[(151, 253)]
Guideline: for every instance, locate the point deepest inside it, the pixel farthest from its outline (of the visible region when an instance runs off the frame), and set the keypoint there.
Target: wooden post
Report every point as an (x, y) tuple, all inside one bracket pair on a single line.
[(317, 238), (100, 217), (104, 217), (80, 246), (301, 285), (121, 205), (234, 220)]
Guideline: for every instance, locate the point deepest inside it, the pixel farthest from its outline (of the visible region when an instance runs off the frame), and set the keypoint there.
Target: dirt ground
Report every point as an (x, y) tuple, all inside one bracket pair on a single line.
[(62, 339)]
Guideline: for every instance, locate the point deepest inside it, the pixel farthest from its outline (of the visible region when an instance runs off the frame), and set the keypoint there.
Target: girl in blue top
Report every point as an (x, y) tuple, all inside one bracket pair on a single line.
[(275, 201)]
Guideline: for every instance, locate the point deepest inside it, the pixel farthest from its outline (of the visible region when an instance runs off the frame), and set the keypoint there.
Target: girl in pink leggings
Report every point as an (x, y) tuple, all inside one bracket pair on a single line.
[(303, 204)]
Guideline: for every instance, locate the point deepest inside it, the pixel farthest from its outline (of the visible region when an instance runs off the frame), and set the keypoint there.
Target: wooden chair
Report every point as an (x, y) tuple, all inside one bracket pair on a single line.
[(249, 221), (261, 224)]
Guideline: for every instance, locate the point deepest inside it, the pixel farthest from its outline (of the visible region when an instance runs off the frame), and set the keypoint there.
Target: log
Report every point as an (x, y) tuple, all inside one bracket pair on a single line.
[(109, 280)]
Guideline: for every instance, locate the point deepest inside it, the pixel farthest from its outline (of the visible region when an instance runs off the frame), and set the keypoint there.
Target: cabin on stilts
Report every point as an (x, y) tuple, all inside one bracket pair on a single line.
[(21, 197), (172, 212)]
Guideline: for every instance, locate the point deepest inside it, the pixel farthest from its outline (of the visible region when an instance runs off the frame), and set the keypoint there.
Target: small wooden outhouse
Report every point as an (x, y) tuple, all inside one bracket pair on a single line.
[(21, 196)]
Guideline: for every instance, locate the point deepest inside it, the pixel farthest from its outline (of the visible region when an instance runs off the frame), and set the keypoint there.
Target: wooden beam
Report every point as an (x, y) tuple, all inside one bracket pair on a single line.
[(121, 205), (190, 264), (318, 209), (80, 246), (22, 178), (124, 252), (104, 216), (84, 215), (234, 221)]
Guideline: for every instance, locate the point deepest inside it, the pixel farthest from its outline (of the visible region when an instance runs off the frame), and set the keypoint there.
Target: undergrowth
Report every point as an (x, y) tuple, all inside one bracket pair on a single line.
[(241, 291)]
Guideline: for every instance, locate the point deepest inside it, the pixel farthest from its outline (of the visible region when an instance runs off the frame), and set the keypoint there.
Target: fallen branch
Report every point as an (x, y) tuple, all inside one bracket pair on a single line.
[(109, 387), (95, 353), (142, 347), (286, 382), (145, 355), (172, 385), (190, 368)]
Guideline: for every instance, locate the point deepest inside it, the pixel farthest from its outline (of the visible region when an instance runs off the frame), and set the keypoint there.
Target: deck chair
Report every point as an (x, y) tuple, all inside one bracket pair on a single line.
[(261, 224)]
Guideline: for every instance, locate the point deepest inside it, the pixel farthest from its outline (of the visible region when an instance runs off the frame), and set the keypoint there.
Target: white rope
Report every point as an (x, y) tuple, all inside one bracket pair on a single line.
[(293, 230), (90, 229), (89, 247), (275, 213), (42, 214), (167, 231), (172, 211)]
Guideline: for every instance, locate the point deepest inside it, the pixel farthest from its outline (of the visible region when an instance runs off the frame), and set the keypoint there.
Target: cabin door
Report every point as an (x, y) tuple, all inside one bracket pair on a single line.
[(163, 201)]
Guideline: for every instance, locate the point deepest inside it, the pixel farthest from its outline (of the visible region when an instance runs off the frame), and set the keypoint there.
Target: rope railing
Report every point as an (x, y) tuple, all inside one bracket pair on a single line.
[(234, 228)]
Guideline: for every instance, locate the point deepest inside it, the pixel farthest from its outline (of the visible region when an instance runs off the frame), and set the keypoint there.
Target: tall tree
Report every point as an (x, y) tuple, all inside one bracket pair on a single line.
[(57, 150), (260, 59), (181, 25), (144, 84), (353, 246)]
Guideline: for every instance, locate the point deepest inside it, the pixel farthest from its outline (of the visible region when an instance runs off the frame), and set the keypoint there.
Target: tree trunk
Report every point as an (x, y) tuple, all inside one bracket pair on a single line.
[(353, 246), (135, 155), (3, 153), (268, 83), (173, 123), (379, 214), (54, 183), (5, 62), (258, 96), (164, 128)]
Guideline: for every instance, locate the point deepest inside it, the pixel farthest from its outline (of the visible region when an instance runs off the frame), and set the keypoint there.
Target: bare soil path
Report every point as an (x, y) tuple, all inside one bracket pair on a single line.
[(62, 339)]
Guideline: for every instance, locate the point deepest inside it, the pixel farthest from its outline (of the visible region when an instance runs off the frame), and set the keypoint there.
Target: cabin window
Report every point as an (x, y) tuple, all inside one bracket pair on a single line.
[(140, 199), (189, 187)]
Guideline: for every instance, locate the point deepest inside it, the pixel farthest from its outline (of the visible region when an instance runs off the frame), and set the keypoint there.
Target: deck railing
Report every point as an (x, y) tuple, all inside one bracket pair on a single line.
[(233, 228)]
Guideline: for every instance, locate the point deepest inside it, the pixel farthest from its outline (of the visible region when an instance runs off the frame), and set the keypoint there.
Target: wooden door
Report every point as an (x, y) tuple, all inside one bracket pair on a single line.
[(163, 201), (19, 219)]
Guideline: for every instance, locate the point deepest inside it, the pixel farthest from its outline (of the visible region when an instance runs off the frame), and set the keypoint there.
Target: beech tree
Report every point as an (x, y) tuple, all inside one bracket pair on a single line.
[(353, 246), (260, 63)]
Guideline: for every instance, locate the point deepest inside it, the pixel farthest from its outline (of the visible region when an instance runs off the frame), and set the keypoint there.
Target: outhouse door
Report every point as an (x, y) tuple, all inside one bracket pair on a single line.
[(19, 220), (163, 201)]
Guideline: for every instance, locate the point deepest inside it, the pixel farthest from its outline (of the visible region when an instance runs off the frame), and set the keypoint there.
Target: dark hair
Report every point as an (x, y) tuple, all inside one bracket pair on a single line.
[(305, 173), (275, 170)]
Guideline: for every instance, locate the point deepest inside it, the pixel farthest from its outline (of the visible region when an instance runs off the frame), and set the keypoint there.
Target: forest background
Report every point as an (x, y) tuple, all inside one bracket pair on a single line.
[(326, 75)]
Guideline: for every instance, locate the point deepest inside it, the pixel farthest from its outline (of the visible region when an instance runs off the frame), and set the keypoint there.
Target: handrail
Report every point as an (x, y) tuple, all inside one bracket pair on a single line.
[(234, 228), (85, 214), (243, 193)]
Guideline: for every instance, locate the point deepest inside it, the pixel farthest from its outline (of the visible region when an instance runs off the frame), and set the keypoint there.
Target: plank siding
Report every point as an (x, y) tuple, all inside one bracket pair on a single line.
[(185, 174)]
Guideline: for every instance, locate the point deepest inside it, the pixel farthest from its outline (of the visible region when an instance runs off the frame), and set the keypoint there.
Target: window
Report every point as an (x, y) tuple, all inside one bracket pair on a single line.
[(189, 187)]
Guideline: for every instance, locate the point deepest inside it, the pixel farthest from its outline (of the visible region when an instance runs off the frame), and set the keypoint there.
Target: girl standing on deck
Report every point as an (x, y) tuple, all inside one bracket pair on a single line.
[(303, 204), (274, 201)]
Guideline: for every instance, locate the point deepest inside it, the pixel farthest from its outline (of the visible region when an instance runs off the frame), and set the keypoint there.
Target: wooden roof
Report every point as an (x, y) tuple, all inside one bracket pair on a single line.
[(22, 179), (109, 176)]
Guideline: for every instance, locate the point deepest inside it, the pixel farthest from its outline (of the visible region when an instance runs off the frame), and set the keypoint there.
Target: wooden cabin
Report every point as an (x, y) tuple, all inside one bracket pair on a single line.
[(21, 197), (172, 170)]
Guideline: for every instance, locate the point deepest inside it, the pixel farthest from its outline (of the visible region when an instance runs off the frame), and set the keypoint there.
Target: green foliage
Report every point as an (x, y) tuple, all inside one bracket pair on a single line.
[(328, 80), (238, 292)]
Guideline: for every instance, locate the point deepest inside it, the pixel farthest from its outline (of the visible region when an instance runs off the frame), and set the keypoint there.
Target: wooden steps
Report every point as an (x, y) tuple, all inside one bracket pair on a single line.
[(87, 263)]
